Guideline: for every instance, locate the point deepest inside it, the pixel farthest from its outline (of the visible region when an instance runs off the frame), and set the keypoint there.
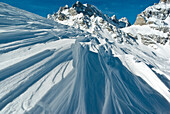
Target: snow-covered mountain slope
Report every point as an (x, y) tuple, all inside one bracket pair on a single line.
[(46, 67), (152, 25)]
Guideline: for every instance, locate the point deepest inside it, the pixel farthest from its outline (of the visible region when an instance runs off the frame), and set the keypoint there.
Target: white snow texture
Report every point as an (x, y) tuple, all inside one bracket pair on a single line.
[(51, 68)]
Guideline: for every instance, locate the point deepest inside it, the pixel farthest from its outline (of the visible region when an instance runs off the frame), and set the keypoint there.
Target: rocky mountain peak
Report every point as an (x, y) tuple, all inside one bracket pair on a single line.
[(77, 4), (50, 68), (155, 19), (166, 1), (83, 14), (123, 22), (85, 9), (157, 14), (88, 18), (62, 9), (114, 18)]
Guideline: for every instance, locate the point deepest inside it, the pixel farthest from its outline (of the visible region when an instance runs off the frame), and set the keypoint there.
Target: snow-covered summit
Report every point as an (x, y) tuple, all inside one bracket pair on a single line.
[(157, 14), (89, 18), (123, 22), (47, 67), (153, 24), (165, 1), (86, 17)]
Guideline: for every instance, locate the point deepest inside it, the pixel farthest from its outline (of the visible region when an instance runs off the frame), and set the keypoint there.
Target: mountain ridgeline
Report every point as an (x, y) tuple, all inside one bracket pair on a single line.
[(87, 17), (81, 61)]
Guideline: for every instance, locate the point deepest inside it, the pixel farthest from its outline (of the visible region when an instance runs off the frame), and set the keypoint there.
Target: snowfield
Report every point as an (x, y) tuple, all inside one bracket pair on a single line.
[(50, 68)]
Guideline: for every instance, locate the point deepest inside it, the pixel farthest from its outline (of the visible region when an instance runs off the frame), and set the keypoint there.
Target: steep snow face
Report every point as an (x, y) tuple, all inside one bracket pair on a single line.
[(154, 24), (100, 84), (46, 67), (35, 54)]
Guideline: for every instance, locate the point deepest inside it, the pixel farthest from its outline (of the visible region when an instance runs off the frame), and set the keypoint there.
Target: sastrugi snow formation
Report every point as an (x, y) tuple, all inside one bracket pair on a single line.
[(81, 61)]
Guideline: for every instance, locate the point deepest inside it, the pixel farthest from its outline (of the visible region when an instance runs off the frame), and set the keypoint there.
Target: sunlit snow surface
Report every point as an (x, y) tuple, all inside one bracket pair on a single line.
[(46, 67)]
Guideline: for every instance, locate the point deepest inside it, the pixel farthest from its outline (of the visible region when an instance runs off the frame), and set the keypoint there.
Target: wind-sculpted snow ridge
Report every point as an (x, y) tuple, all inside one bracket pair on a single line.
[(46, 67), (99, 83)]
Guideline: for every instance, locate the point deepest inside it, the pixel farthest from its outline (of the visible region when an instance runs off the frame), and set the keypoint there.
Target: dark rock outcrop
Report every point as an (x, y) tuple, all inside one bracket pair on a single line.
[(156, 17), (88, 10), (123, 22), (114, 18), (62, 9), (140, 20), (62, 17), (153, 39), (157, 12)]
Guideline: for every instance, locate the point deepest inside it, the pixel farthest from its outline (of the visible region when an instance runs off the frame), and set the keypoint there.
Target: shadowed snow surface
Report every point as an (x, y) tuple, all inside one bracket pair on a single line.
[(105, 86), (46, 67)]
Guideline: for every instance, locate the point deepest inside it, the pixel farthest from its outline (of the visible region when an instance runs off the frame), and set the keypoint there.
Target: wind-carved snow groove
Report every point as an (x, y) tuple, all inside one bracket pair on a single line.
[(55, 69), (31, 97), (57, 59), (65, 65), (33, 41), (18, 35), (78, 77), (58, 72), (11, 70), (100, 83)]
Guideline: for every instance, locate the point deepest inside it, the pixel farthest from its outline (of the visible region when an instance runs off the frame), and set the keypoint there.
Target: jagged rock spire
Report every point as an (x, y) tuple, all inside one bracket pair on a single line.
[(123, 22), (77, 4), (114, 18)]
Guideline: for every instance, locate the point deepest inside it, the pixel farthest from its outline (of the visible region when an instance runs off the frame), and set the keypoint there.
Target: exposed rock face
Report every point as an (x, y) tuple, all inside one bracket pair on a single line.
[(114, 18), (88, 10), (62, 9), (140, 20), (86, 14), (62, 17), (123, 22), (77, 8), (153, 39), (72, 11), (77, 5), (159, 11), (155, 24), (87, 17), (167, 1)]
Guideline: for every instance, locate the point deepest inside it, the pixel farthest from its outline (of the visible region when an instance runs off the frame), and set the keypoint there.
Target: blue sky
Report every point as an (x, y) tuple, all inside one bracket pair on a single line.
[(121, 8)]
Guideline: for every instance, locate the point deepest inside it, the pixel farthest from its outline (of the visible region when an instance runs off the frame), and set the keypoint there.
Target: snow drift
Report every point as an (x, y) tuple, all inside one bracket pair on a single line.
[(46, 67)]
